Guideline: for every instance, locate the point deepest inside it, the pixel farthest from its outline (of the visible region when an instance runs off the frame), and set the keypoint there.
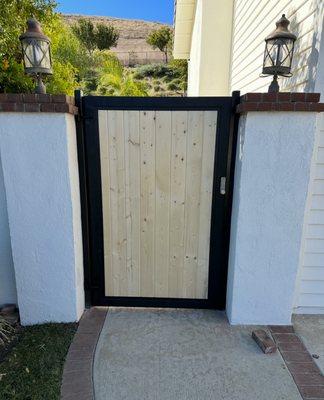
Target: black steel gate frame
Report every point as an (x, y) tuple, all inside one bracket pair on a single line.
[(91, 196)]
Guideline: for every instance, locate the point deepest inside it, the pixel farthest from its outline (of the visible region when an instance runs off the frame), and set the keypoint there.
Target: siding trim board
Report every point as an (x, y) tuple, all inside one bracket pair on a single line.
[(309, 295)]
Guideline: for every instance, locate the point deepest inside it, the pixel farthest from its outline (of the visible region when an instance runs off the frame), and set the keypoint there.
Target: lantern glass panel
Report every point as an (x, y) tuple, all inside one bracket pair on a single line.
[(278, 56), (37, 55)]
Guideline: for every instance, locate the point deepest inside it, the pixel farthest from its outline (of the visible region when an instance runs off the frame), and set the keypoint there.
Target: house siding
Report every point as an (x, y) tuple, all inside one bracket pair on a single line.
[(253, 21), (310, 283)]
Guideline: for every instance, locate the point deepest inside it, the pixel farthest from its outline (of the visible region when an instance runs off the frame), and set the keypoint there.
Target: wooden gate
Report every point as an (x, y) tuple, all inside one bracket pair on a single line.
[(156, 199)]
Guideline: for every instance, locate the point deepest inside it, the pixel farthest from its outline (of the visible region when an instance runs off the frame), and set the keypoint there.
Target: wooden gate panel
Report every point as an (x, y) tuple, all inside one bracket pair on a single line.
[(157, 178)]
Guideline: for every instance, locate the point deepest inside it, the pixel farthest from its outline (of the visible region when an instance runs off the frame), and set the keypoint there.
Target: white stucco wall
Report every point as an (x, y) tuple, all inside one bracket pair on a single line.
[(254, 20), (272, 173), (39, 159), (210, 54), (7, 275)]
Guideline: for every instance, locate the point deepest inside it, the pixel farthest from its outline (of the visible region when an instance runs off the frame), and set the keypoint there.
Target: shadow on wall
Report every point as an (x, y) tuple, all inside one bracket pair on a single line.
[(305, 61), (8, 292)]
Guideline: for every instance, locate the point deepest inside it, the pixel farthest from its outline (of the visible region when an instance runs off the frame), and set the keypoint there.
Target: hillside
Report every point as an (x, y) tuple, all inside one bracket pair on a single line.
[(132, 47)]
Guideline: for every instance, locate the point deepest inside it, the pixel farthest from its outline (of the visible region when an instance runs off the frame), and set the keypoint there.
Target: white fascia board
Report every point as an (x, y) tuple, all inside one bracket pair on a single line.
[(183, 26)]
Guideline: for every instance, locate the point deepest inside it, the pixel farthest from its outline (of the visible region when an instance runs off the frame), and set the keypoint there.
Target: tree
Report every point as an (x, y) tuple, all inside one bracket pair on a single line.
[(106, 37), (84, 30), (93, 37), (161, 39), (13, 17)]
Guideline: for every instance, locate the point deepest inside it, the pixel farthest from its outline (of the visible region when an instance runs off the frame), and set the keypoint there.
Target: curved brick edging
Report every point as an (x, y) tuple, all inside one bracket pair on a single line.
[(300, 363), (30, 102), (77, 381)]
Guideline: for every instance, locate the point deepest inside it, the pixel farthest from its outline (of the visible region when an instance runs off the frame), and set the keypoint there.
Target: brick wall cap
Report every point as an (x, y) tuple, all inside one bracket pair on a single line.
[(283, 101), (31, 102)]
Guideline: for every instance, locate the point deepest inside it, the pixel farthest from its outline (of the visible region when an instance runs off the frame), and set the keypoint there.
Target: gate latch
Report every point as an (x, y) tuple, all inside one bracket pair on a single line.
[(223, 185)]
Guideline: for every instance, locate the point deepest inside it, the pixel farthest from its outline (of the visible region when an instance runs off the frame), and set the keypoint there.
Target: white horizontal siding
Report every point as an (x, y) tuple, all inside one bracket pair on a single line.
[(310, 284), (253, 21)]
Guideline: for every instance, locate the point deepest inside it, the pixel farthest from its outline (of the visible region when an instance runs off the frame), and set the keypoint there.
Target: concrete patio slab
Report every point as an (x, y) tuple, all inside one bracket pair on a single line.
[(310, 328), (184, 355)]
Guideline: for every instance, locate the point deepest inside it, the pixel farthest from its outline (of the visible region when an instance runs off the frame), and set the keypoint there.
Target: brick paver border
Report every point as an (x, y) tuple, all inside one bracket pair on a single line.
[(77, 382), (300, 363)]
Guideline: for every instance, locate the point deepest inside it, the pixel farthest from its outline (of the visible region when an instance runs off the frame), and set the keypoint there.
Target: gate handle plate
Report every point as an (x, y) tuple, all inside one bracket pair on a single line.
[(223, 185)]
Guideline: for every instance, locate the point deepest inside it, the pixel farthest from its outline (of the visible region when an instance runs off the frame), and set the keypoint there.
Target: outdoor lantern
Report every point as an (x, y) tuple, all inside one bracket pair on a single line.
[(278, 53), (36, 49)]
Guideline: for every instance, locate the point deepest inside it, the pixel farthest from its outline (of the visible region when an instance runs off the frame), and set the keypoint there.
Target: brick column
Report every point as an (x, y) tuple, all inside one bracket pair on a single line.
[(39, 161), (274, 153)]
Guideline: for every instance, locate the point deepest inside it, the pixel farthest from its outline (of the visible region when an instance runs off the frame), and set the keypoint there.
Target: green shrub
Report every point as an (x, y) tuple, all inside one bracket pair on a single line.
[(153, 71), (174, 85)]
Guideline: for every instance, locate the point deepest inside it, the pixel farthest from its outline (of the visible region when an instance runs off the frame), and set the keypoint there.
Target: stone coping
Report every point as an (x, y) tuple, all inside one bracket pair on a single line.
[(284, 101), (77, 380), (300, 363), (55, 103)]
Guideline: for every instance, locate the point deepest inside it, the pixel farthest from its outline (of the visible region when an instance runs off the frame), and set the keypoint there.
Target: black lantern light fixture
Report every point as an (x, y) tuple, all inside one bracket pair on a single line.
[(36, 49), (279, 53)]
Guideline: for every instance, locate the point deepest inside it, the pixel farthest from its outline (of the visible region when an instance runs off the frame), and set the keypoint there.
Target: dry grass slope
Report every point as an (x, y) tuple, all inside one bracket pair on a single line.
[(132, 47)]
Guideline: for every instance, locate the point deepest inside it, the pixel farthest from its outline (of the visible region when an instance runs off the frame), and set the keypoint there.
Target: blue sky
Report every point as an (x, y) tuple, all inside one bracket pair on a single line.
[(149, 10)]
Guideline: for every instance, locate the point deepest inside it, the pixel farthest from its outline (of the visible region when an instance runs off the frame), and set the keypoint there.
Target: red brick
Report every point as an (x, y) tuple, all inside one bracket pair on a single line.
[(265, 106), (313, 97), (59, 98), (63, 108), (286, 106), (303, 368), (14, 98), (283, 97), (298, 346), (7, 107), (286, 338), (296, 356), (302, 106), (62, 98), (298, 97), (251, 97), (47, 107), (44, 98), (317, 107), (312, 392), (309, 379), (264, 341), (3, 97), (270, 97), (282, 329), (244, 107), (32, 107), (30, 98)]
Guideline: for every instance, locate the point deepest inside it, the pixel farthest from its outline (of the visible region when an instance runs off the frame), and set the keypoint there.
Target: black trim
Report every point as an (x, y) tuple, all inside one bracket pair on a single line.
[(83, 195), (160, 302), (221, 204)]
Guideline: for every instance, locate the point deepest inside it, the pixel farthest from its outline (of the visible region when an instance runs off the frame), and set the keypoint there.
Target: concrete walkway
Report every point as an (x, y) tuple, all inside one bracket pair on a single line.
[(184, 355)]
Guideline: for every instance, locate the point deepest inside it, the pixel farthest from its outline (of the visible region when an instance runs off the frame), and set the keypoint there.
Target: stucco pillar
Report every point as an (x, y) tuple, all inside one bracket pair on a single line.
[(273, 161), (39, 162)]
